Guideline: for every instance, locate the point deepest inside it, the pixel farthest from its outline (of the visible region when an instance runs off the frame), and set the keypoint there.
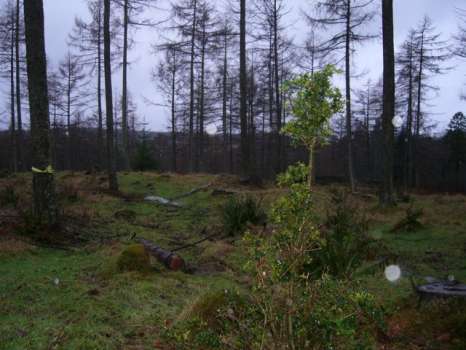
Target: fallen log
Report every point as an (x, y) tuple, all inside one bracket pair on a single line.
[(193, 191), (169, 259), (163, 201)]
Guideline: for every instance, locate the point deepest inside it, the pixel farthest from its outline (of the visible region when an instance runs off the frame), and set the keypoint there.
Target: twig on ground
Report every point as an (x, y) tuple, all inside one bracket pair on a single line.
[(193, 191)]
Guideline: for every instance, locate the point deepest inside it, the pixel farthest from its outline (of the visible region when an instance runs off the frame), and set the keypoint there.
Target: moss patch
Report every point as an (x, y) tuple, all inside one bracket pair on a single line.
[(134, 258)]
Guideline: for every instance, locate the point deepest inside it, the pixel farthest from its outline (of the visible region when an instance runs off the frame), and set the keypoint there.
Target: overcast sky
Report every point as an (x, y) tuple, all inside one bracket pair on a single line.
[(60, 14)]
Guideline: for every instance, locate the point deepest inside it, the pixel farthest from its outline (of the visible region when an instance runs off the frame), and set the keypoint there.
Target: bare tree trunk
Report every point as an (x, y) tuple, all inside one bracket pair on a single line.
[(173, 108), (245, 166), (230, 130), (201, 102), (387, 195), (224, 103), (124, 98), (278, 102), (368, 133), (251, 124), (100, 136), (409, 129), (263, 141), (68, 116), (191, 98), (19, 125), (418, 114), (271, 99), (349, 131), (111, 164), (44, 200), (14, 159)]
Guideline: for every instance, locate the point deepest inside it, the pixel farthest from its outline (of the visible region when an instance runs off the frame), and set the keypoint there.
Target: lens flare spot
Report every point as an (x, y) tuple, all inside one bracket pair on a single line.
[(393, 273)]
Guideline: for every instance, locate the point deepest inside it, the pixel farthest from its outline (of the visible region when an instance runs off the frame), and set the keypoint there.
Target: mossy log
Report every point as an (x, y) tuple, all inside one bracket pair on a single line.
[(171, 260)]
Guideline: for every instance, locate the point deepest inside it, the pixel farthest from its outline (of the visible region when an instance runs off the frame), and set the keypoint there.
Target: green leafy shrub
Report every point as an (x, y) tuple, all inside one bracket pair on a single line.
[(8, 197), (307, 307), (297, 173), (238, 212), (345, 240)]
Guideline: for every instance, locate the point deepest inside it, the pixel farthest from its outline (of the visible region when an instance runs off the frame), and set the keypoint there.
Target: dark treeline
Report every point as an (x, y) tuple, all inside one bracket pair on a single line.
[(220, 70), (441, 166)]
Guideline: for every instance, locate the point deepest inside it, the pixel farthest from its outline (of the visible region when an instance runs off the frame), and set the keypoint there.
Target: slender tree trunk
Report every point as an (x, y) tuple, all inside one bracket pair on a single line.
[(111, 164), (368, 134), (191, 91), (251, 124), (409, 128), (100, 136), (19, 125), (272, 132), (230, 130), (418, 114), (201, 102), (68, 117), (173, 108), (44, 200), (14, 159), (263, 141), (54, 150), (224, 103), (245, 166), (124, 98), (278, 102), (387, 195), (349, 131)]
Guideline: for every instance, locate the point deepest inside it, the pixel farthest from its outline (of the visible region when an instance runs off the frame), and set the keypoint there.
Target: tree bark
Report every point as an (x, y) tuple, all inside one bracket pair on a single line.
[(100, 136), (44, 200), (124, 96), (111, 164), (191, 91), (14, 160), (349, 131), (200, 155), (173, 110), (224, 103), (278, 103), (230, 135), (409, 127), (418, 113), (68, 115), (387, 195), (245, 166), (19, 124)]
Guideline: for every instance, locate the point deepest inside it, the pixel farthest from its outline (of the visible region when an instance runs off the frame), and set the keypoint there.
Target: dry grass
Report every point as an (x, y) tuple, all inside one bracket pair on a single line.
[(10, 246)]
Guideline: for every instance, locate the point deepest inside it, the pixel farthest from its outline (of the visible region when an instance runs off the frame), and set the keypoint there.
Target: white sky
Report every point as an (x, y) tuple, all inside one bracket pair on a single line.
[(60, 14)]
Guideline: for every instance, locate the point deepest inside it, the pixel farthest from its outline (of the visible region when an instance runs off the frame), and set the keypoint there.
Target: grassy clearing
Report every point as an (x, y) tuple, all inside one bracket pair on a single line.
[(53, 299)]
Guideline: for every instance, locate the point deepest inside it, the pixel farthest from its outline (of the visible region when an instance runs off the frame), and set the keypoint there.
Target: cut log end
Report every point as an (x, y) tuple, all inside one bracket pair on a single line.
[(176, 263), (170, 260)]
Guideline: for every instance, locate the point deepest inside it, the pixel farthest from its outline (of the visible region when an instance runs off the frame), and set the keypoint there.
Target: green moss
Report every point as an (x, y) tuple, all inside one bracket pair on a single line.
[(205, 308), (134, 258)]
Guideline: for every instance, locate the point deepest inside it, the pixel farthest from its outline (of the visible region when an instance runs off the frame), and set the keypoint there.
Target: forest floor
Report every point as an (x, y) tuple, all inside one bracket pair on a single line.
[(74, 298)]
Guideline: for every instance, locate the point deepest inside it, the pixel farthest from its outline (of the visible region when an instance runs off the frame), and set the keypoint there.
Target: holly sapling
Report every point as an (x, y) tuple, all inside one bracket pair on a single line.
[(313, 101)]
